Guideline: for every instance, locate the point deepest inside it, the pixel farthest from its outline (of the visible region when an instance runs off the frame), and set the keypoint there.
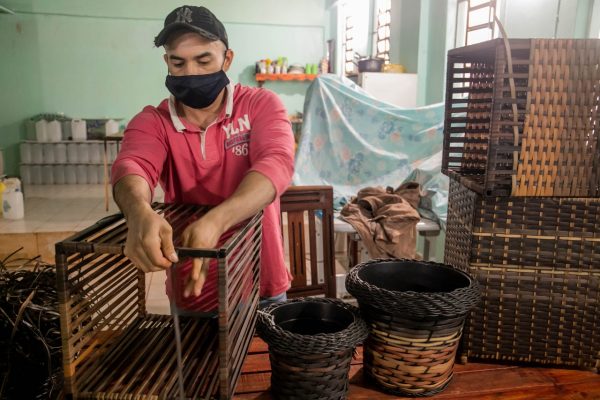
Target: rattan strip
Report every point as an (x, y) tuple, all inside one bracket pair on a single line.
[(142, 362), (471, 123), (178, 215), (97, 302), (535, 315), (316, 377), (554, 100), (533, 232), (246, 333), (126, 310), (96, 268), (242, 296), (409, 357), (412, 304), (559, 95), (286, 342)]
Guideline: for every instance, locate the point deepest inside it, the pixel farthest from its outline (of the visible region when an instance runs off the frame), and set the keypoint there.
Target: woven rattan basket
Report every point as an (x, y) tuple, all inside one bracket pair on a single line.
[(415, 311), (538, 263), (528, 125), (311, 343)]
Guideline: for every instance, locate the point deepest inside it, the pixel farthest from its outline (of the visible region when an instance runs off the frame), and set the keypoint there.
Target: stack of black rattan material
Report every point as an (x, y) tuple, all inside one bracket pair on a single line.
[(415, 311), (311, 343), (521, 145)]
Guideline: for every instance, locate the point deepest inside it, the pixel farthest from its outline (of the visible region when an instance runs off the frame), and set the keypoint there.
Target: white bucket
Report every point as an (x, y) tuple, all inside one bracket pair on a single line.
[(54, 131), (59, 174), (37, 153), (47, 175), (48, 153), (78, 129), (83, 152), (82, 177), (41, 127), (111, 127), (70, 174), (92, 174), (72, 153), (60, 153), (25, 150), (96, 151)]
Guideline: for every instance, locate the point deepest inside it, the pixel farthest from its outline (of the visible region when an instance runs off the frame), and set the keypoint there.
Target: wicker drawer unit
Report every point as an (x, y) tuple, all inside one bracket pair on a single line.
[(546, 233), (537, 261), (536, 315), (112, 348), (528, 126)]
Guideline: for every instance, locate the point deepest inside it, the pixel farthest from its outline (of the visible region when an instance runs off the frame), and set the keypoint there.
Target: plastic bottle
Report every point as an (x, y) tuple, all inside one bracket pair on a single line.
[(13, 206), (2, 189)]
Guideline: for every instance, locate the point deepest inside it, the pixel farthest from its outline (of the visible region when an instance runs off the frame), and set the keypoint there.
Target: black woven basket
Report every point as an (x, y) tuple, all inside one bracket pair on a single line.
[(413, 289), (415, 311), (311, 343)]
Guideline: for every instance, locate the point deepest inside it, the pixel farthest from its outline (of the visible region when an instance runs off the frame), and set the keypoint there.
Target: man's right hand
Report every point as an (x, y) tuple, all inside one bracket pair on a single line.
[(149, 243)]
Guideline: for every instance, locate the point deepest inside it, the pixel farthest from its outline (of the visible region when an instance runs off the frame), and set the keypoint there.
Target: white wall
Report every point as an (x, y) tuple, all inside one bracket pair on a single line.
[(545, 18)]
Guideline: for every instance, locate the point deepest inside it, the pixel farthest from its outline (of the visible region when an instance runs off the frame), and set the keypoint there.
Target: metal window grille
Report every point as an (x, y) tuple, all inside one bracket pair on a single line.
[(382, 31), (480, 21), (349, 66)]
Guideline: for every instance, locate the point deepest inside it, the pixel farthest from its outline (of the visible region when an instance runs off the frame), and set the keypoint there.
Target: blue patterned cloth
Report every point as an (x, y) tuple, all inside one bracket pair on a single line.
[(351, 140)]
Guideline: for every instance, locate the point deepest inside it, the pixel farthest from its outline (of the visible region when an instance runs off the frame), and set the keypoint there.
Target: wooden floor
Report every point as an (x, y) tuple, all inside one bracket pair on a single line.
[(474, 381)]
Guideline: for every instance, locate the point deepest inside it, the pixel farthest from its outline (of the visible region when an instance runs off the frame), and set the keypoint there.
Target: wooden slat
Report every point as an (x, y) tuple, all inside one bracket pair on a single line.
[(317, 202), (297, 247)]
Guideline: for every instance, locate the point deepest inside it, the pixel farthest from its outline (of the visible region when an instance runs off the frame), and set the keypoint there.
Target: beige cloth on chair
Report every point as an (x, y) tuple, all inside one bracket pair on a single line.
[(386, 220)]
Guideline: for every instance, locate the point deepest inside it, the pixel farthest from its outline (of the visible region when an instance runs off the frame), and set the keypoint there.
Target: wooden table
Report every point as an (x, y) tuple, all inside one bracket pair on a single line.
[(473, 381)]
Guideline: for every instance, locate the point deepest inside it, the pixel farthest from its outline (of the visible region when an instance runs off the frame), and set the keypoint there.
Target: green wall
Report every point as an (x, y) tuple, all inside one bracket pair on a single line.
[(96, 59), (404, 31), (20, 80)]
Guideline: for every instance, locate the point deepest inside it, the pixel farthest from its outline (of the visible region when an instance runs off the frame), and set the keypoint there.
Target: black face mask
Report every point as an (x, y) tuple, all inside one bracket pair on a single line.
[(197, 91)]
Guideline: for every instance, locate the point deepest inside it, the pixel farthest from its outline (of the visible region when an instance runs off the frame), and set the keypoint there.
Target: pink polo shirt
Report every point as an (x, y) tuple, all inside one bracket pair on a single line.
[(252, 133)]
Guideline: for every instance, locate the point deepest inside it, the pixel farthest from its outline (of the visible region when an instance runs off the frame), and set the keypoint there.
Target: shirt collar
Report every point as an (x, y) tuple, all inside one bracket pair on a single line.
[(178, 123)]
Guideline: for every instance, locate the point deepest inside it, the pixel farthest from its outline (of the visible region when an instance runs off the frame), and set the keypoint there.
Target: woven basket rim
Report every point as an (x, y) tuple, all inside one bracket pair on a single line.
[(284, 341), (412, 303)]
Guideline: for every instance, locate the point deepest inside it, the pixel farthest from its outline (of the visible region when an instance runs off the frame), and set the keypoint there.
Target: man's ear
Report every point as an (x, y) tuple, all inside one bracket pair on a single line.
[(166, 58), (228, 59)]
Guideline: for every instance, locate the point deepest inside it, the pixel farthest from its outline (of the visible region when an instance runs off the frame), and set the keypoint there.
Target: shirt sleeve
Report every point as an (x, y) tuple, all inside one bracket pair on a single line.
[(272, 141), (143, 149)]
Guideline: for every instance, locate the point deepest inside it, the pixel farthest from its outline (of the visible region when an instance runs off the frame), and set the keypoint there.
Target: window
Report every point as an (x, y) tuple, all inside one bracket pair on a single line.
[(349, 67), (382, 31), (474, 21), (354, 20)]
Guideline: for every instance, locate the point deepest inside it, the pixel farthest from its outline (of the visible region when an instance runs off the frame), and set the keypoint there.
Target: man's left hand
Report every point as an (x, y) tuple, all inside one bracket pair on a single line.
[(205, 234)]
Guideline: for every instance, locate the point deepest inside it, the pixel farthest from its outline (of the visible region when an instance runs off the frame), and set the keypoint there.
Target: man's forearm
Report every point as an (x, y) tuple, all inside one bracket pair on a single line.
[(132, 194), (254, 192)]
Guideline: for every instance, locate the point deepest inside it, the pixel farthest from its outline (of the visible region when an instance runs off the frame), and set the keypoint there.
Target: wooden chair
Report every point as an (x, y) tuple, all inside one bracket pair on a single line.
[(306, 208)]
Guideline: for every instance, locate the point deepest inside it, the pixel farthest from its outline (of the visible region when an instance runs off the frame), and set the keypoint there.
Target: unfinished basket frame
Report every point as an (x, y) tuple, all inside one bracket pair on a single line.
[(524, 122), (112, 348)]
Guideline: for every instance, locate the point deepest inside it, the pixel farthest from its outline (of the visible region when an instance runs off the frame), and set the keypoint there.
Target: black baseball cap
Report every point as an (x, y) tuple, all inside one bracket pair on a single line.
[(195, 19)]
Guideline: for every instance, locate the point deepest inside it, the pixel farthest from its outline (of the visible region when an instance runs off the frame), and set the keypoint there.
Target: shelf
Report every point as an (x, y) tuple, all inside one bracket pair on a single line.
[(261, 78), (87, 141), (64, 164)]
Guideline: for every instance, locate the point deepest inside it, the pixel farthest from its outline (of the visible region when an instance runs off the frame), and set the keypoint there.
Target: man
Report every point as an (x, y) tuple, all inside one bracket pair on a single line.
[(209, 143)]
